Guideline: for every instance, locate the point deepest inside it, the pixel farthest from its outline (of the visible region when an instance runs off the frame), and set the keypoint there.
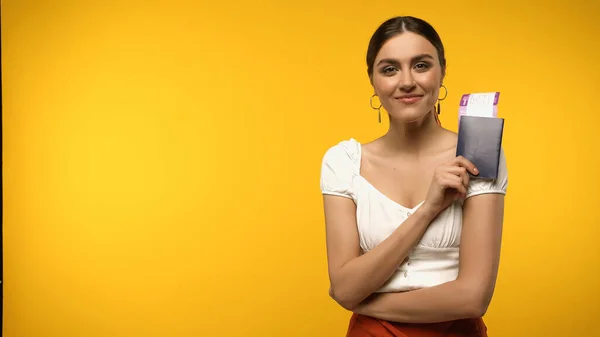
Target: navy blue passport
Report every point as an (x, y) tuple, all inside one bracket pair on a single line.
[(480, 141)]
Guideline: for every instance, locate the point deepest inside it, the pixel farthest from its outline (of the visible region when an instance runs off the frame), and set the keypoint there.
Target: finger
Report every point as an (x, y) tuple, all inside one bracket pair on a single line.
[(461, 172), (454, 183), (464, 162), (450, 180)]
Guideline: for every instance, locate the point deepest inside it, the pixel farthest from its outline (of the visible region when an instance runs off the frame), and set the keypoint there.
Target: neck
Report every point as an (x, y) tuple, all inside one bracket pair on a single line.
[(412, 138)]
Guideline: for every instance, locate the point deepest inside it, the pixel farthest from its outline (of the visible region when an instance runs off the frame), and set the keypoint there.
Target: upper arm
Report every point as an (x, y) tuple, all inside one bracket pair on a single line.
[(340, 230), (337, 172), (483, 215)]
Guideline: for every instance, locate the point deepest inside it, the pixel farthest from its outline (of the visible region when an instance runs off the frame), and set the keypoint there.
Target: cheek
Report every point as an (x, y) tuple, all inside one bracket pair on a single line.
[(384, 85), (430, 81), (431, 86)]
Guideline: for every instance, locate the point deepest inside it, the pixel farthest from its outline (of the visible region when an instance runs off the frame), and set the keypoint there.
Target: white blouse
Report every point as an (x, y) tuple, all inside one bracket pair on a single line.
[(434, 260)]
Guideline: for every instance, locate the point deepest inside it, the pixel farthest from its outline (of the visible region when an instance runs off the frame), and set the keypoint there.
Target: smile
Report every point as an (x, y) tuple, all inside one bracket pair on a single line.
[(409, 99)]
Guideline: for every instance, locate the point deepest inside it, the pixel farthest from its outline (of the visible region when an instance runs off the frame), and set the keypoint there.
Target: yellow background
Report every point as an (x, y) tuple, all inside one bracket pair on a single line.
[(161, 160)]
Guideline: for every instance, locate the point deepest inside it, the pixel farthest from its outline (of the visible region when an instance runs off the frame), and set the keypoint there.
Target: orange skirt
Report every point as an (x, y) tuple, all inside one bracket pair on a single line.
[(366, 326)]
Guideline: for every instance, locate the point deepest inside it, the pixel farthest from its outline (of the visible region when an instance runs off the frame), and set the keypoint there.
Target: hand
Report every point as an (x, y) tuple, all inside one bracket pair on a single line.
[(450, 182)]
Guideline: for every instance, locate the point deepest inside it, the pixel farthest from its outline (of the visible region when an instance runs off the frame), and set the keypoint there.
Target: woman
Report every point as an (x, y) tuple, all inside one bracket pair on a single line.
[(403, 212)]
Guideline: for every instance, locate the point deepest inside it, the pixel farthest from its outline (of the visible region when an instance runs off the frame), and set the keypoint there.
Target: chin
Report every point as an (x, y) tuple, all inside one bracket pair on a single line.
[(407, 116)]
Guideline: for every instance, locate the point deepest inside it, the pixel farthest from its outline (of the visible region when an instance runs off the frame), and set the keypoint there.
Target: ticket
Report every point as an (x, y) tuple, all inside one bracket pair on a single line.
[(484, 104)]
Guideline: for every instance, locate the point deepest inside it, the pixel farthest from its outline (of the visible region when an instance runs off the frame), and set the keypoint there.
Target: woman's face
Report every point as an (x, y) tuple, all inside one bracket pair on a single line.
[(407, 77)]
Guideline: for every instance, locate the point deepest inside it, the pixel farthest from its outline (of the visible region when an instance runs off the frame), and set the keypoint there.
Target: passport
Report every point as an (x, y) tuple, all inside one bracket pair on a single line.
[(480, 141)]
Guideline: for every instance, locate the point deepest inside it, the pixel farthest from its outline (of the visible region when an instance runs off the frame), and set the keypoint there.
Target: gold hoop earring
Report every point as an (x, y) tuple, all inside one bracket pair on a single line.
[(376, 108), (439, 109)]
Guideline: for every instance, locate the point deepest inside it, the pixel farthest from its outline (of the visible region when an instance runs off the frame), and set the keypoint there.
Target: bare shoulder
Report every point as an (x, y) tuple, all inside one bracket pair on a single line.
[(447, 145), (372, 147), (450, 138), (372, 153)]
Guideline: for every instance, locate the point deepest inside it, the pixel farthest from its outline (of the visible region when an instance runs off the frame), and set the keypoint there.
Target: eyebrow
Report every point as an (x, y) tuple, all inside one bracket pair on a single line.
[(412, 60)]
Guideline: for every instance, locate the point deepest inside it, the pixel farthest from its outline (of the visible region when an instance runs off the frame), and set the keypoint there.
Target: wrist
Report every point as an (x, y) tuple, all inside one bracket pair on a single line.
[(428, 211)]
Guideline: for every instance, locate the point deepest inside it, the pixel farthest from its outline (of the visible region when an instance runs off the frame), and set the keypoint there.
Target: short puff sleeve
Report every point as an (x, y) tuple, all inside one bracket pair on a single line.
[(499, 185), (338, 168)]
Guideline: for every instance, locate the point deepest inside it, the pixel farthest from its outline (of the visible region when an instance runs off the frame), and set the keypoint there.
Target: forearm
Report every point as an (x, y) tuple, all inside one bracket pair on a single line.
[(470, 294), (360, 277), (448, 301)]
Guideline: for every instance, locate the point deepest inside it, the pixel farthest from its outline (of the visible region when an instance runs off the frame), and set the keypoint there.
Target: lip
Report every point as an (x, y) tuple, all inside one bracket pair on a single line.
[(409, 99)]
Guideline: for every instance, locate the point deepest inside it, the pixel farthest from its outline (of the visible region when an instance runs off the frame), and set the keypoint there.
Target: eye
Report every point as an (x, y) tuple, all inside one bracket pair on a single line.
[(422, 66), (389, 70)]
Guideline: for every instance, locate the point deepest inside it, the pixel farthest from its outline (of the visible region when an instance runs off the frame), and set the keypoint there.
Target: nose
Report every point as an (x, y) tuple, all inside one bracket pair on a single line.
[(407, 83)]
